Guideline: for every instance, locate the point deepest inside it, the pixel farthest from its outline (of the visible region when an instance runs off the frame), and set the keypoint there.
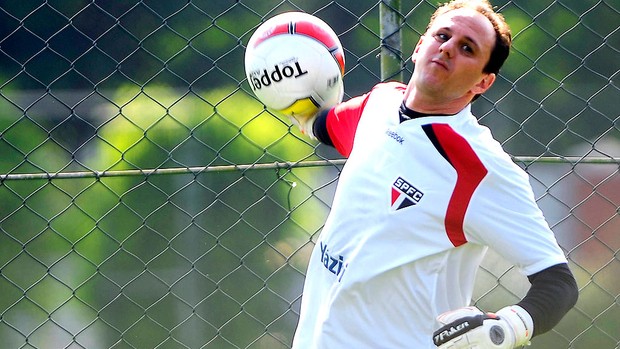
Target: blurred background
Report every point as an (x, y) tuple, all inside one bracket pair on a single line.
[(148, 200)]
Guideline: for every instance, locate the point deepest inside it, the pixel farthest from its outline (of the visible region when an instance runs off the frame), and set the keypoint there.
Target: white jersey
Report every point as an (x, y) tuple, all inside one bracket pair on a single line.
[(417, 204)]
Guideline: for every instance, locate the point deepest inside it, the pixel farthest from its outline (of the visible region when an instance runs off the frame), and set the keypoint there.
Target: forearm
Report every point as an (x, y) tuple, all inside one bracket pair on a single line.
[(553, 293), (319, 128)]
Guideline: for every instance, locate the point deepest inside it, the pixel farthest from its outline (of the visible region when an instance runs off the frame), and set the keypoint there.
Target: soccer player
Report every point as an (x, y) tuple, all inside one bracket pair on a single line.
[(425, 191)]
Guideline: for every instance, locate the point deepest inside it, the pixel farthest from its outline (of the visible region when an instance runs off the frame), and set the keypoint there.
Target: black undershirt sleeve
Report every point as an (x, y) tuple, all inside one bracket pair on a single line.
[(553, 293), (319, 128)]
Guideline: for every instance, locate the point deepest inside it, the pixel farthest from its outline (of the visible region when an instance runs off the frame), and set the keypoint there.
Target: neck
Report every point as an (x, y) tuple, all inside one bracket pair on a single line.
[(433, 104)]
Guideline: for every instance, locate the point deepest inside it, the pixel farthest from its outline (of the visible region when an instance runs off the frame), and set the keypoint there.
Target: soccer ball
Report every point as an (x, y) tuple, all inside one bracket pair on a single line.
[(294, 64)]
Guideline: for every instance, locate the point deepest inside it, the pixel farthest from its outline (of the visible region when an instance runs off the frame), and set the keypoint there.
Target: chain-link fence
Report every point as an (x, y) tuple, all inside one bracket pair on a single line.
[(147, 200)]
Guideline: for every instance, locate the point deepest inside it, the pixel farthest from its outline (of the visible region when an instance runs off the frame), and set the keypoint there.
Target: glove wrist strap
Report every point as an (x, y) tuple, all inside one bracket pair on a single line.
[(520, 321)]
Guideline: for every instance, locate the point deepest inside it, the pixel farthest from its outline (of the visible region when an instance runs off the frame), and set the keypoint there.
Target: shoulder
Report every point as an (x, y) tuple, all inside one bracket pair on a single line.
[(385, 93), (380, 93), (393, 86)]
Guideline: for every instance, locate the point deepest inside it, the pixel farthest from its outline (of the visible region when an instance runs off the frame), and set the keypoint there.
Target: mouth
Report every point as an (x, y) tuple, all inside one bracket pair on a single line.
[(440, 62)]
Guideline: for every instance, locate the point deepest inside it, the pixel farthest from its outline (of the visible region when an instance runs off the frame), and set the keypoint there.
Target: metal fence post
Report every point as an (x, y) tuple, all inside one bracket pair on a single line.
[(391, 40)]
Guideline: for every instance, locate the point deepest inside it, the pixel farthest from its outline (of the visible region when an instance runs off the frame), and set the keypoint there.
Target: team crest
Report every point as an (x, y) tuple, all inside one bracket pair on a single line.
[(404, 194)]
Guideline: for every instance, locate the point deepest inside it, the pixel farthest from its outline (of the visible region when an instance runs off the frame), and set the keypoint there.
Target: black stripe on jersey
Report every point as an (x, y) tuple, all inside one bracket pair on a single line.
[(430, 133)]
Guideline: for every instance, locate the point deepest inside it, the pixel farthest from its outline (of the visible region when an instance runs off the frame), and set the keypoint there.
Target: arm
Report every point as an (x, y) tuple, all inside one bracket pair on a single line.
[(319, 128), (507, 218), (336, 127), (553, 293)]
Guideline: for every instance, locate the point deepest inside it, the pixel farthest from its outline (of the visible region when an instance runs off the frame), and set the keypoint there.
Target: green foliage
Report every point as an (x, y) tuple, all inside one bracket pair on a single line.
[(114, 250)]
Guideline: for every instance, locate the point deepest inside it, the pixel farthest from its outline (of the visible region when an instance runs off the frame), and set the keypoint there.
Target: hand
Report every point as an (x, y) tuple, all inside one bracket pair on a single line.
[(304, 122), (470, 328)]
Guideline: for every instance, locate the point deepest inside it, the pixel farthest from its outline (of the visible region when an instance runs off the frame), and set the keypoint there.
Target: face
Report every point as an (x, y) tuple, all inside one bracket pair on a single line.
[(451, 55)]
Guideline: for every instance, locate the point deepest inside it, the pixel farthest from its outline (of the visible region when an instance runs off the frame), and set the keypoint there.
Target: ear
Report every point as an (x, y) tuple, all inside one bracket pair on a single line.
[(484, 84), (416, 49)]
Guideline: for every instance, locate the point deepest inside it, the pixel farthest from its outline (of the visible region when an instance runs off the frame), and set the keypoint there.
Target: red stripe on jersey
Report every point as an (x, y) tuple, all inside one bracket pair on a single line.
[(470, 172)]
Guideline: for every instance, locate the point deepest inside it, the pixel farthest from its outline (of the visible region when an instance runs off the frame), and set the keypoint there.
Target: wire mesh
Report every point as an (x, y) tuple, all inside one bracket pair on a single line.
[(148, 200)]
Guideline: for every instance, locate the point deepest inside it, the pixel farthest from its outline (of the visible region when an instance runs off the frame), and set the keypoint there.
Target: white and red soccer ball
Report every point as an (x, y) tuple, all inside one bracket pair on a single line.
[(294, 63)]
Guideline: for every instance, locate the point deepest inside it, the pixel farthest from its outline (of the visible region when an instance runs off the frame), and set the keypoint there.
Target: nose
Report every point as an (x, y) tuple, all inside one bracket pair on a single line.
[(447, 47)]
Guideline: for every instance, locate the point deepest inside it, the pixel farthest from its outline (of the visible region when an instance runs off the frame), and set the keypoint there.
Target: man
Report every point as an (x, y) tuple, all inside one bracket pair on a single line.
[(424, 192)]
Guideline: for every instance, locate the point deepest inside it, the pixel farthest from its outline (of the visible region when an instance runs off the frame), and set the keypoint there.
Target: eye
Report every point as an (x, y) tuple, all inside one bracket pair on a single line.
[(442, 37), (467, 49)]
